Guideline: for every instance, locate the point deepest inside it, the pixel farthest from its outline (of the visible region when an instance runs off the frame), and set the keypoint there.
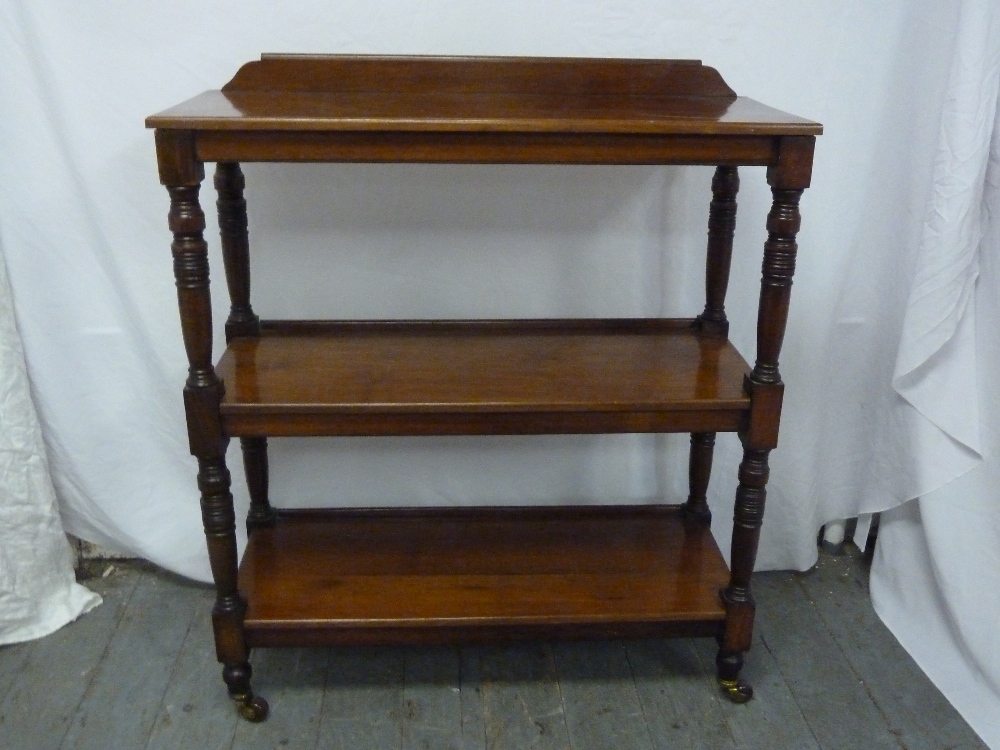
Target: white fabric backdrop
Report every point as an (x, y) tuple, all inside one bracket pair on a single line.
[(38, 590), (888, 264), (937, 554)]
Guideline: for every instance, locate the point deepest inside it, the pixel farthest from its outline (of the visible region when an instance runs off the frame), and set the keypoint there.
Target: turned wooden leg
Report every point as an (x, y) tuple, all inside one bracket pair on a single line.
[(182, 173), (261, 513), (721, 227), (713, 322), (737, 597), (766, 391), (699, 472), (219, 519), (242, 321), (232, 207), (787, 178)]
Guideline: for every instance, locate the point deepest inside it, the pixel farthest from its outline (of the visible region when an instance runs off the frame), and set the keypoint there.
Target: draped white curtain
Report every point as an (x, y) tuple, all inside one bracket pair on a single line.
[(937, 555), (889, 355), (38, 590)]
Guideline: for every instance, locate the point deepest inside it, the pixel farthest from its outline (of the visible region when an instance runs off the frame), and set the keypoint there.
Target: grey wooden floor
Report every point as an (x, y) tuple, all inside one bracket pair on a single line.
[(139, 672)]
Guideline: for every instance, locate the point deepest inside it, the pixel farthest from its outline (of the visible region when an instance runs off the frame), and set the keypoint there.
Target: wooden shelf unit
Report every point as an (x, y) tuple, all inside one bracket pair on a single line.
[(473, 574), (379, 576), (481, 378)]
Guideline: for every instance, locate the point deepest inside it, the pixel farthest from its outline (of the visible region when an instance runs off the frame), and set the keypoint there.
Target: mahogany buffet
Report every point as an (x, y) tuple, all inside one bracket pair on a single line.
[(377, 576)]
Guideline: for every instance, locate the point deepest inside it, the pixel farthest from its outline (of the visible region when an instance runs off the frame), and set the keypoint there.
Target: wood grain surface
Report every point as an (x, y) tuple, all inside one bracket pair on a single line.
[(599, 371), (582, 95), (314, 580), (488, 567)]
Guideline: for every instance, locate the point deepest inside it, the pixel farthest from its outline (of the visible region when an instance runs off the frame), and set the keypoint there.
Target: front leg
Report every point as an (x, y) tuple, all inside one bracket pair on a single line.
[(219, 518), (182, 173), (788, 178), (737, 597)]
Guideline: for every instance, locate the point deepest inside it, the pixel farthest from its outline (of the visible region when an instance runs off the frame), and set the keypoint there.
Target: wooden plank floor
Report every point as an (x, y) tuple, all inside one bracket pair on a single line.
[(139, 673)]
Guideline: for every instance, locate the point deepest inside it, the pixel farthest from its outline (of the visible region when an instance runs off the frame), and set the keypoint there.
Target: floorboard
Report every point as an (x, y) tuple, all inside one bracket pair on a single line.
[(122, 700), (522, 703), (680, 702), (473, 707), (432, 700), (13, 657), (840, 711), (293, 681), (45, 693), (599, 697), (915, 711), (363, 704), (773, 719), (196, 711), (140, 672)]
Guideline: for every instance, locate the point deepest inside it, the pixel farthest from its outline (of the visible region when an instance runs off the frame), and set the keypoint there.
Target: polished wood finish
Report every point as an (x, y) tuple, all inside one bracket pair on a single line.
[(256, 467), (721, 228), (515, 112), (242, 321), (441, 94), (480, 110), (483, 147), (182, 174), (699, 472), (399, 75), (481, 377), (420, 576), (738, 598), (232, 207), (417, 575), (775, 292)]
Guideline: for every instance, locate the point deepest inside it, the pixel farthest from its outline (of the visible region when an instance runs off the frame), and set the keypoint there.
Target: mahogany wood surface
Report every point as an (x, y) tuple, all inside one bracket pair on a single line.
[(721, 228), (496, 568), (325, 577), (579, 369), (232, 208), (699, 472), (391, 74), (526, 95), (478, 148), (479, 112)]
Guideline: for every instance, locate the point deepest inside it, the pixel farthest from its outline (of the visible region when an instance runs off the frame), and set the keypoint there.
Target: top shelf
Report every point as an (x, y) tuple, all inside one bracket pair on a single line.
[(329, 93)]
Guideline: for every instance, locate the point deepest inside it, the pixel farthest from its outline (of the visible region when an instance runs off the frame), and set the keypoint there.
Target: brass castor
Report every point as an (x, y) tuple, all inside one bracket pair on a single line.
[(736, 691), (252, 707)]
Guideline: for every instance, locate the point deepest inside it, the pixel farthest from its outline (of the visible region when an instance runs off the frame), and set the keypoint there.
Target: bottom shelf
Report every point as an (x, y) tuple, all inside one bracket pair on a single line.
[(479, 574)]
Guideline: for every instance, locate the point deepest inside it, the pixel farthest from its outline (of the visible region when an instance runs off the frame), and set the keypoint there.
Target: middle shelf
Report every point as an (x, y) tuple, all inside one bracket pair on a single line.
[(482, 378)]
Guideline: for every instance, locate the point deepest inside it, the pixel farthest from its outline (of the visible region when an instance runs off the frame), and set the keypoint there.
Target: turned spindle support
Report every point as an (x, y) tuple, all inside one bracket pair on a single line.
[(713, 322), (718, 260), (219, 520), (232, 207), (776, 283), (261, 514), (699, 473), (788, 179), (182, 173), (242, 321), (721, 228), (737, 596)]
